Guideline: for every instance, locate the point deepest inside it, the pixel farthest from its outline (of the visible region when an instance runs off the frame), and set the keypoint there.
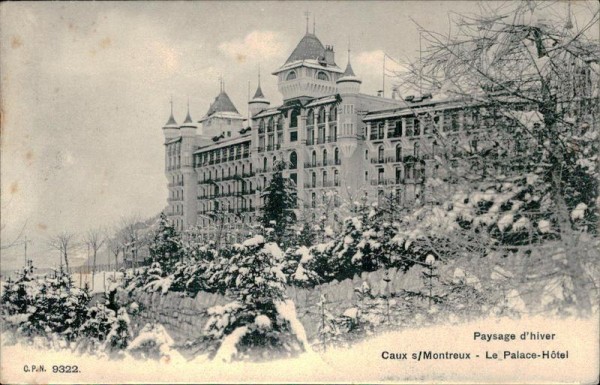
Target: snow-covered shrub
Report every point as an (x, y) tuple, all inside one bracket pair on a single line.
[(260, 322), (153, 342)]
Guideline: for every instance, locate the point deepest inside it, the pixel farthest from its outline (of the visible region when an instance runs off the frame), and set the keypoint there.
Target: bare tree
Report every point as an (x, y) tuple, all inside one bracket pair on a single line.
[(525, 88), (64, 242), (130, 238), (94, 239)]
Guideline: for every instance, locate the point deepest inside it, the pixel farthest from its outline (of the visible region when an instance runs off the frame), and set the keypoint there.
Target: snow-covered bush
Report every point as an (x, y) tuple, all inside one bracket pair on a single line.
[(260, 322)]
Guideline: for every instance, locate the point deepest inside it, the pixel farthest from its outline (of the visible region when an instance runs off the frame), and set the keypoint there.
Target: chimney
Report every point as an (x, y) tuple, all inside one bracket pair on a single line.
[(329, 55)]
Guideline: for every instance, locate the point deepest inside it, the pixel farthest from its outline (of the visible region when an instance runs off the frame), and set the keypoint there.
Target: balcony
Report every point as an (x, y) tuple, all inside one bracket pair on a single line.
[(376, 136), (310, 141), (313, 164), (378, 160), (385, 182), (331, 138)]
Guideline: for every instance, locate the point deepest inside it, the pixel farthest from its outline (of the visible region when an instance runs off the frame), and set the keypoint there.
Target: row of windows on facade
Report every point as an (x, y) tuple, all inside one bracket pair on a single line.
[(223, 154), (209, 122), (319, 117), (426, 124), (319, 75)]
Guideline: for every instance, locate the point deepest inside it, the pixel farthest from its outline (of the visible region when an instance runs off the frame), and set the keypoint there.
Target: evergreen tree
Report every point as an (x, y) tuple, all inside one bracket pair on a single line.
[(280, 201), (261, 321), (165, 247)]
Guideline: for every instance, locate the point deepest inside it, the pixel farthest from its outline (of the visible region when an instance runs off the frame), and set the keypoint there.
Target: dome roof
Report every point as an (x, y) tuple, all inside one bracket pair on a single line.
[(309, 48)]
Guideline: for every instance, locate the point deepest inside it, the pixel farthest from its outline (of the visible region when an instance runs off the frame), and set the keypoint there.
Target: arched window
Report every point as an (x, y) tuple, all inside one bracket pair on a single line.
[(380, 130), (280, 123), (313, 200), (321, 117), (294, 118), (417, 148), (324, 178), (310, 118), (336, 177), (398, 153), (264, 164), (322, 76), (293, 160), (291, 75), (324, 157), (314, 158), (398, 128), (380, 154), (314, 179), (366, 154), (274, 162), (333, 114), (270, 125)]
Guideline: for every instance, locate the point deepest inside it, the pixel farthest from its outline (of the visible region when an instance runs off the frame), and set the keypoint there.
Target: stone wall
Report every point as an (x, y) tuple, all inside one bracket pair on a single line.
[(184, 317)]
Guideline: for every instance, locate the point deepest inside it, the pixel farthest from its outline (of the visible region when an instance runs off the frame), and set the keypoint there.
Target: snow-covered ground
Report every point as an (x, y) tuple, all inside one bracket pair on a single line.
[(99, 282), (363, 362)]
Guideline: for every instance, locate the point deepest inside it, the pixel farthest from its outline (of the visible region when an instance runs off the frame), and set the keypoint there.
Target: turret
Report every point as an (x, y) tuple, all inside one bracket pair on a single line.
[(349, 83), (258, 101), (171, 129), (188, 128)]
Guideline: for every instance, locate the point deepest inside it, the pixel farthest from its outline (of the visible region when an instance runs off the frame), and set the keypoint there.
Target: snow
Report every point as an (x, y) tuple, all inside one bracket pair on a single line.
[(305, 254), (254, 241), (522, 223), (544, 226), (300, 274), (274, 250), (287, 310), (262, 321), (351, 313), (430, 259), (505, 221), (579, 211), (228, 350)]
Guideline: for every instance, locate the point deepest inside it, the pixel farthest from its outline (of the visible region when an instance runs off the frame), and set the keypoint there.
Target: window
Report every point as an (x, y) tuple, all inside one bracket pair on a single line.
[(314, 179), (310, 118), (324, 157), (398, 175), (293, 160), (322, 76), (293, 136), (264, 164), (280, 123), (336, 177), (333, 114), (380, 154), (270, 125), (314, 158), (366, 176), (291, 75), (321, 116), (294, 118), (324, 178), (380, 174), (398, 153), (313, 200), (417, 149), (336, 155), (366, 154), (274, 162)]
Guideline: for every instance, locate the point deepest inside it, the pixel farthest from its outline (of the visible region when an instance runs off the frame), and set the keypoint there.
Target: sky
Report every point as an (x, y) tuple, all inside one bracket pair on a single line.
[(86, 89)]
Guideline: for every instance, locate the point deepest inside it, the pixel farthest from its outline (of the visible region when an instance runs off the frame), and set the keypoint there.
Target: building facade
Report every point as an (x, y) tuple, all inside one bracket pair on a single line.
[(338, 144)]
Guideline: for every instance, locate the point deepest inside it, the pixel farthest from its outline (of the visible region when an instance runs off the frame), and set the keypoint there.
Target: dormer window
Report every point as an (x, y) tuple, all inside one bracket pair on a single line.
[(322, 76), (291, 75)]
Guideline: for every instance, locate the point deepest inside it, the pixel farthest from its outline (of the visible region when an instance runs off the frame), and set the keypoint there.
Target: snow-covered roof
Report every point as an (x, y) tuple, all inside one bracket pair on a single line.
[(268, 112), (224, 142), (323, 100)]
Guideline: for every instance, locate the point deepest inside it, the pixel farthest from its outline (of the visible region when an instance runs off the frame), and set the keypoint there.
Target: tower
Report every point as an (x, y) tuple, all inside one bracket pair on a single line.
[(222, 118), (310, 71), (171, 129), (348, 87), (258, 101), (188, 178)]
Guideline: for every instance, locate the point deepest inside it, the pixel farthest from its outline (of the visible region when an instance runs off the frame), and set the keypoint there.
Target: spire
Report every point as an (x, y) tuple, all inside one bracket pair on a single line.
[(258, 94), (188, 118), (307, 14), (171, 121), (349, 71)]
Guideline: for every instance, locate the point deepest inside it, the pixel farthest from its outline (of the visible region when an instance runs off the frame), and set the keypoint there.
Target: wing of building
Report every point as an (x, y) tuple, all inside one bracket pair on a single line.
[(337, 142)]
